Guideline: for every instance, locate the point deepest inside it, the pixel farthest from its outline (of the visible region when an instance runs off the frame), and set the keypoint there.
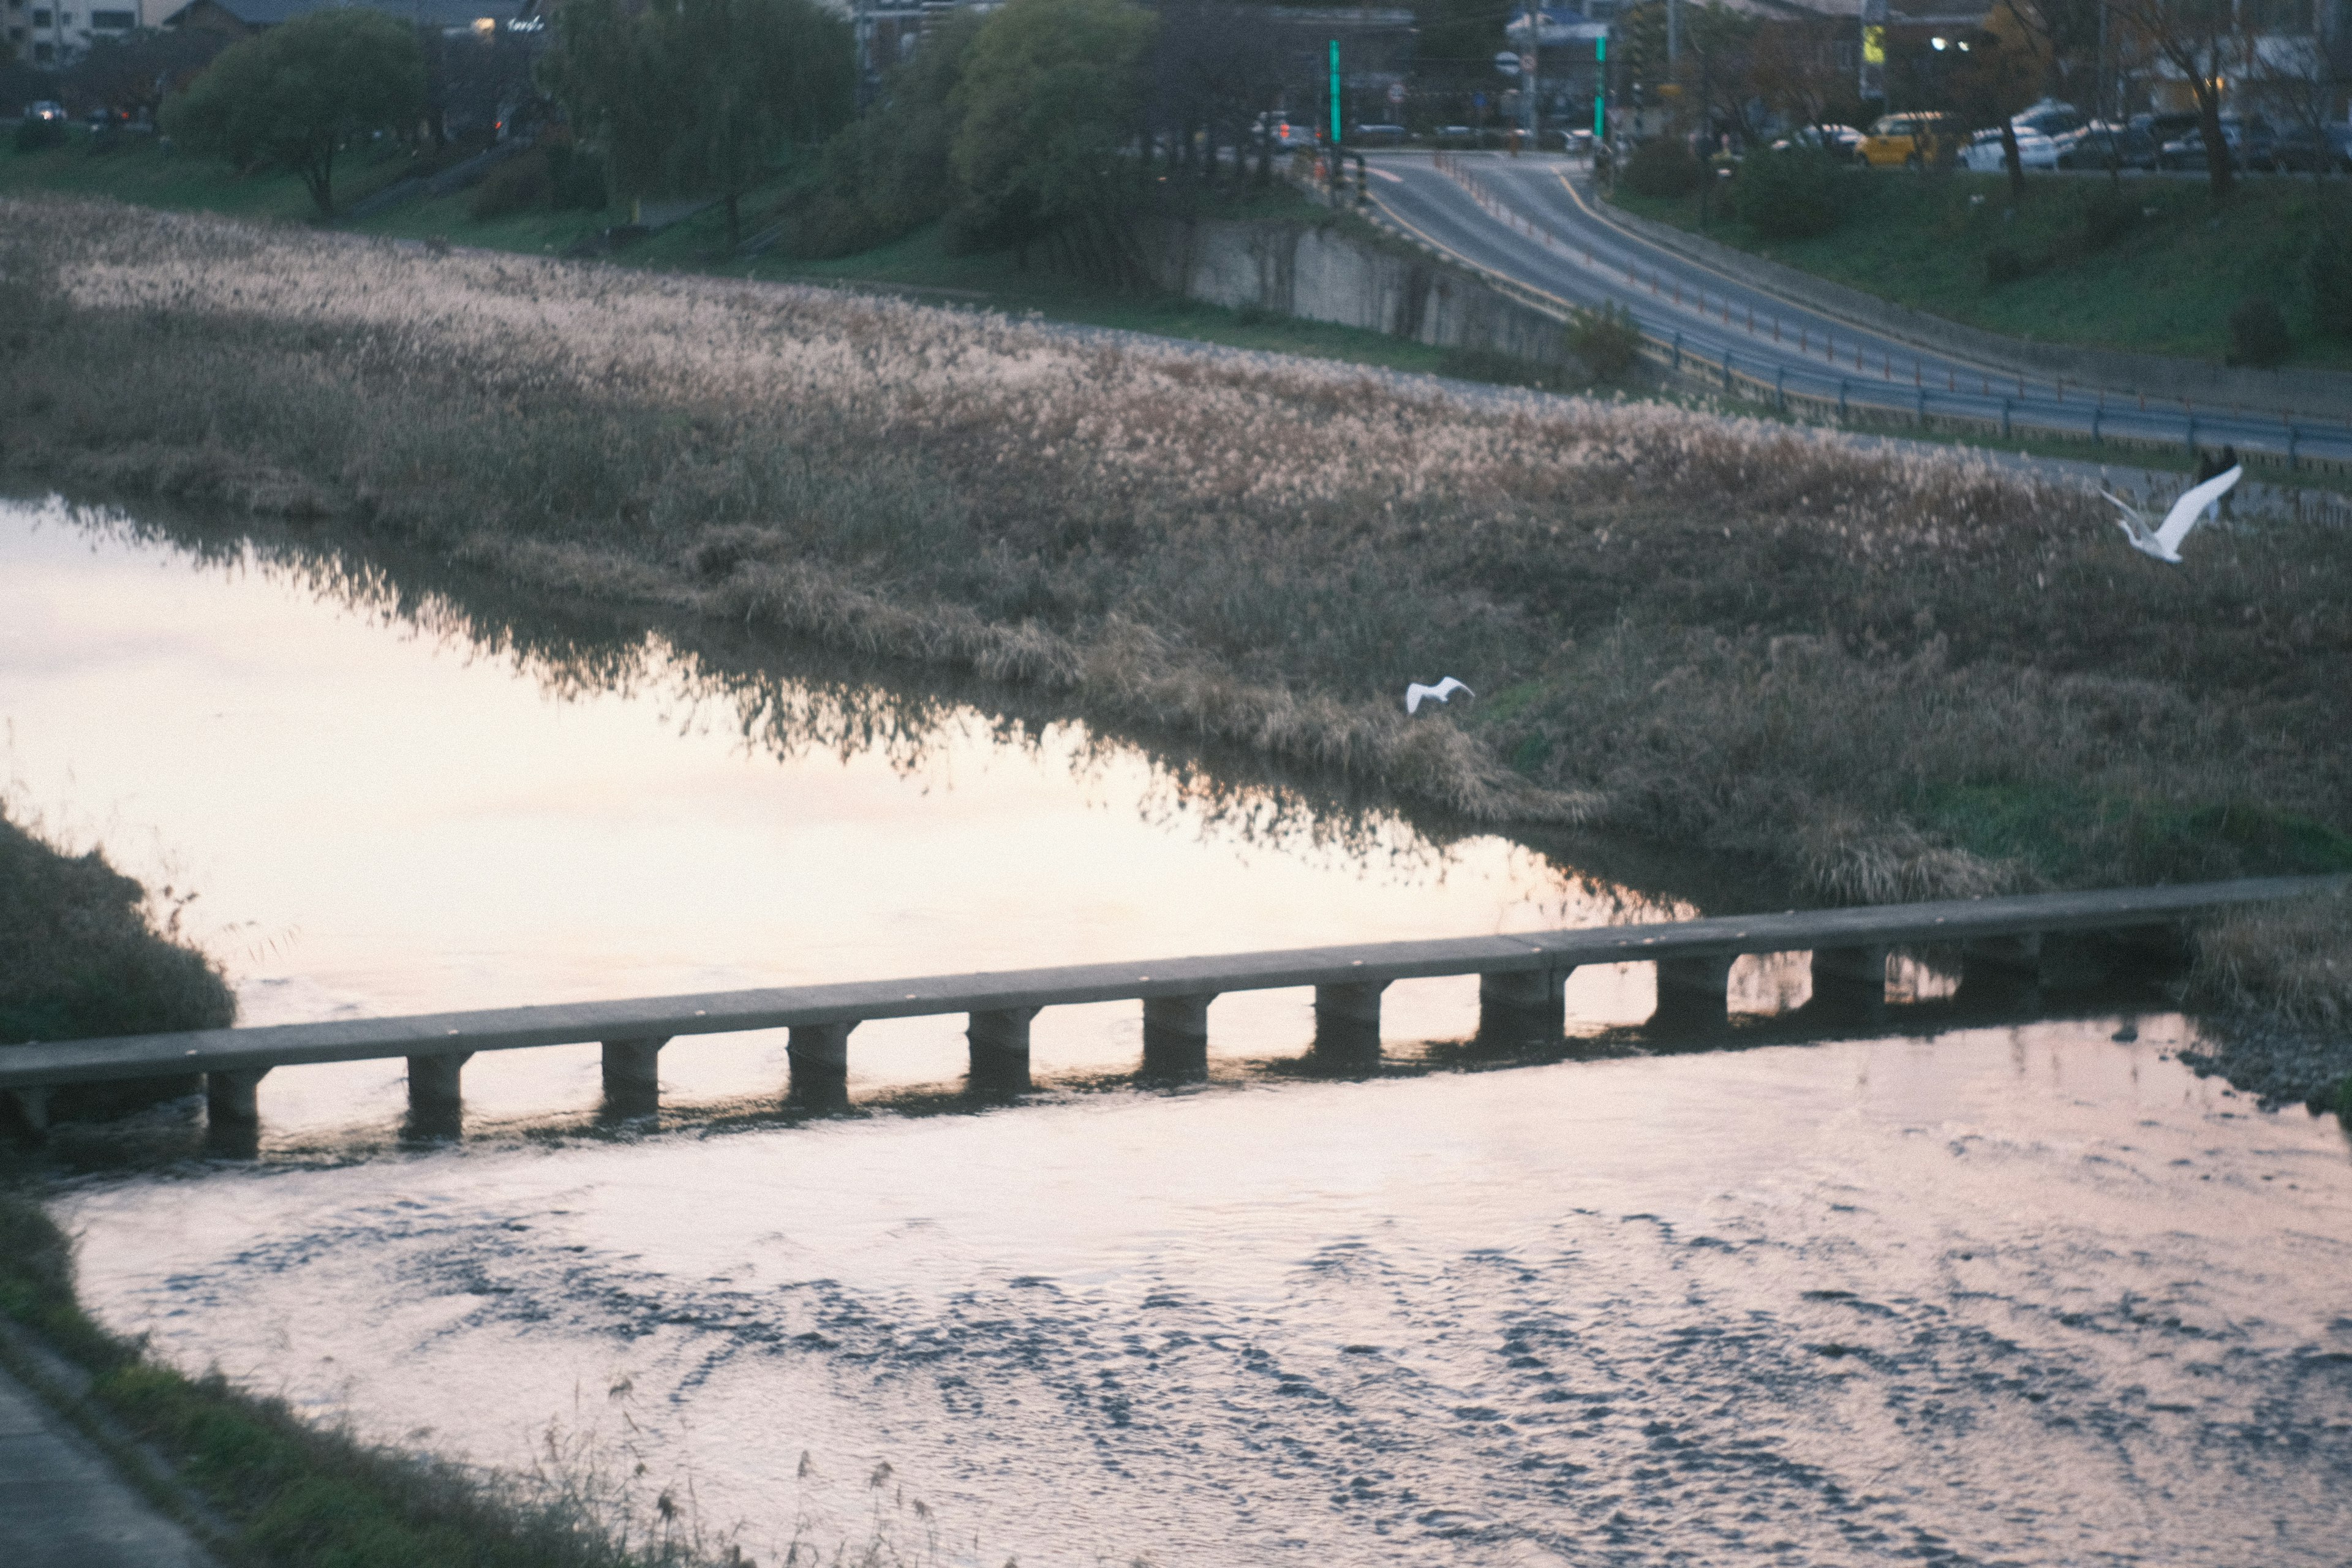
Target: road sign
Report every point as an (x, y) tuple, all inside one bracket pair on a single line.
[(1507, 63), (1396, 92)]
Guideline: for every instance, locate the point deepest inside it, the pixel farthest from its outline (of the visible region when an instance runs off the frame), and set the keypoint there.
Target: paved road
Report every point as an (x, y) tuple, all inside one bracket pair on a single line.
[(1532, 220), (63, 1506)]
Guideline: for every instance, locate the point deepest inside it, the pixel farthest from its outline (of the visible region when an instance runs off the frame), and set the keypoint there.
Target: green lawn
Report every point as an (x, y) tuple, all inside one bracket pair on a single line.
[(140, 170), (2166, 287)]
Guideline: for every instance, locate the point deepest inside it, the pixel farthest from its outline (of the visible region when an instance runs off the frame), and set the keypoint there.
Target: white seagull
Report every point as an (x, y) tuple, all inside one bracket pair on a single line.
[(1441, 691), (2163, 544)]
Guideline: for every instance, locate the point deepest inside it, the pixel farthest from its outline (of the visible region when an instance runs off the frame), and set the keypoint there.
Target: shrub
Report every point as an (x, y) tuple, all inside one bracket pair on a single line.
[(1663, 166), (518, 184), (1788, 194), (2107, 216), (2258, 334), (2329, 273), (35, 135), (1607, 341)]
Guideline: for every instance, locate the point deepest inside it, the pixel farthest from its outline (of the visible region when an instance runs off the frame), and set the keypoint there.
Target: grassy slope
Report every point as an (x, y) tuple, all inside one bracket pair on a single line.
[(2167, 288), (918, 265)]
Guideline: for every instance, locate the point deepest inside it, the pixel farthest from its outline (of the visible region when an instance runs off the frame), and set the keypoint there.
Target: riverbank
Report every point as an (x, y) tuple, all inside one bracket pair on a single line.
[(80, 955), (2157, 268), (1886, 675)]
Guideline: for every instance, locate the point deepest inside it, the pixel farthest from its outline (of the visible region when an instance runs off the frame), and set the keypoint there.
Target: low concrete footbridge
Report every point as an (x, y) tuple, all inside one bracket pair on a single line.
[(1520, 979), (1534, 228)]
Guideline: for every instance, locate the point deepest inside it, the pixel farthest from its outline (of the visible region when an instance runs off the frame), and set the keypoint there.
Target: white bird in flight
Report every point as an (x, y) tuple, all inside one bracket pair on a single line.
[(2163, 544), (1441, 691)]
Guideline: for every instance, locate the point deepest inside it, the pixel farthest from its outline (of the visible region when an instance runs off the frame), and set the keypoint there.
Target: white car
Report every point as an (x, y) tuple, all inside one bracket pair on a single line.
[(1984, 154)]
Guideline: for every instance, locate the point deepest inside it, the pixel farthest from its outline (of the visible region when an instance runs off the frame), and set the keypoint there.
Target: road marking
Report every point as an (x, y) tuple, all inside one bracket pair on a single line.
[(1475, 265), (1384, 174), (1981, 366)]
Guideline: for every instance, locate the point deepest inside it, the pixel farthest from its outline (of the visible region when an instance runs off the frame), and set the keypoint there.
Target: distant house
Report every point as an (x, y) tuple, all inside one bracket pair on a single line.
[(239, 18), (53, 32)]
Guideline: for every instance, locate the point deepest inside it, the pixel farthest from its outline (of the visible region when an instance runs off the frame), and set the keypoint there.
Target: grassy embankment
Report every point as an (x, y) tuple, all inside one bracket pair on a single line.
[(80, 955), (2167, 286), (918, 266), (1886, 675)]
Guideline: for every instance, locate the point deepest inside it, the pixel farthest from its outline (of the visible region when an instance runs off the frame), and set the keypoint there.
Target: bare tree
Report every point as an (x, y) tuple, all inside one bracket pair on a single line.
[(2198, 40)]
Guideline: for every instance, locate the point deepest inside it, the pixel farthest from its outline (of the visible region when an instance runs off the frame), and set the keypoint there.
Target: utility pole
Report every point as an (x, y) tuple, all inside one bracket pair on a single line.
[(1674, 36), (1529, 113)]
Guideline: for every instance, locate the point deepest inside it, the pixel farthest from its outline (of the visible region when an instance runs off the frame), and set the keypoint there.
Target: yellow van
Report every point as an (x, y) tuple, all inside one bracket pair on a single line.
[(1897, 139)]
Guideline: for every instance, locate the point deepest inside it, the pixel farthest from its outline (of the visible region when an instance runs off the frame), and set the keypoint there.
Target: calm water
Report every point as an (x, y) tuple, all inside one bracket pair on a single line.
[(2021, 1294)]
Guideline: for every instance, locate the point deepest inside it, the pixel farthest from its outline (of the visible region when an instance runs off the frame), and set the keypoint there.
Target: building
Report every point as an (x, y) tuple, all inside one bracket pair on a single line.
[(52, 32)]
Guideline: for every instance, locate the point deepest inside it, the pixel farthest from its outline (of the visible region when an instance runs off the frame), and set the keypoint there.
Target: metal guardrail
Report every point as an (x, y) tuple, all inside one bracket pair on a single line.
[(1520, 975), (1836, 393)]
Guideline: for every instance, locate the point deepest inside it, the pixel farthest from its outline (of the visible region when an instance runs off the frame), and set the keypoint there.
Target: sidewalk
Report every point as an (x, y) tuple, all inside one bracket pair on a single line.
[(63, 1506)]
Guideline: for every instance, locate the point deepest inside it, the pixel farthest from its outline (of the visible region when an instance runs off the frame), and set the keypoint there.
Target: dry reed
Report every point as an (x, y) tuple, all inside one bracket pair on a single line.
[(1893, 674)]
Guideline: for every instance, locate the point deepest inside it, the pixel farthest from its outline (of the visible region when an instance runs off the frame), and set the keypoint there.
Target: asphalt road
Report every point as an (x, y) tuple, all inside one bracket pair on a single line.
[(1532, 220)]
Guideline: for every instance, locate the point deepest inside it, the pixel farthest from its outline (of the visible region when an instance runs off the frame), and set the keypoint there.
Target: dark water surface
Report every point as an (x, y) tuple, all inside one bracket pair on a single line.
[(1999, 1293)]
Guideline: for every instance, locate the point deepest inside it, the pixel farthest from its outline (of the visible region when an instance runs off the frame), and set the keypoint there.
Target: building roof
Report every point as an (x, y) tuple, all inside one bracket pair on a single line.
[(425, 12)]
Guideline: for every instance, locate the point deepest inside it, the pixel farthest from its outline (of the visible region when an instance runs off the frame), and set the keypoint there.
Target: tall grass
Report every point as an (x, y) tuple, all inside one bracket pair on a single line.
[(1888, 674), (81, 953)]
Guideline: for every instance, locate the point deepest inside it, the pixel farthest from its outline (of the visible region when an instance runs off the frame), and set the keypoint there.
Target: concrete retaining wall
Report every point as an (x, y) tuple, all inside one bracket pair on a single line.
[(2319, 392), (1322, 274)]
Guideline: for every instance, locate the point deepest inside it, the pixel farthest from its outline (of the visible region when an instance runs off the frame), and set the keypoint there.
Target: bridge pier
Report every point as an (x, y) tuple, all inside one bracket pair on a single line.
[(1176, 1035), (1520, 1001), (2001, 971), (633, 1075), (819, 1055), (1000, 1049), (1692, 993), (1851, 980), (432, 1083), (232, 1096), (32, 1108), (1347, 1022)]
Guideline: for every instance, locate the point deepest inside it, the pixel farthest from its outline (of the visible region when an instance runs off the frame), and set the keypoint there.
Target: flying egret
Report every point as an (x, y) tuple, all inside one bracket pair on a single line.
[(2163, 544), (1441, 691)]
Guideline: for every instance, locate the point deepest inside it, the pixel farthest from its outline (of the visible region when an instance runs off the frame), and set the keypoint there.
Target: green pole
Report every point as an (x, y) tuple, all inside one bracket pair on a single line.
[(1600, 93), (1335, 96)]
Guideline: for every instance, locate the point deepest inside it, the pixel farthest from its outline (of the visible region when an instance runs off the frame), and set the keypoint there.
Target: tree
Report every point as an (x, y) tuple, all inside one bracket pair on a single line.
[(607, 68), (765, 76), (2196, 40), (1047, 101), (2005, 70), (291, 96)]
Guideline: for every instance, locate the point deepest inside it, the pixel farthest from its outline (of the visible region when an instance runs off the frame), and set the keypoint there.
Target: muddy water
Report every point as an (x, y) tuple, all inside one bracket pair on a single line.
[(2025, 1293)]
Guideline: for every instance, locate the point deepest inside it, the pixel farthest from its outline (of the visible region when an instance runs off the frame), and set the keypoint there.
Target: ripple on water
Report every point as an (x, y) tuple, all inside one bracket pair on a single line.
[(2022, 1295)]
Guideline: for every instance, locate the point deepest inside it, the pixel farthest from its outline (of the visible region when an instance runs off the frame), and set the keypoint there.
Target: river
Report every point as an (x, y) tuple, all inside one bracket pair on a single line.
[(1971, 1291)]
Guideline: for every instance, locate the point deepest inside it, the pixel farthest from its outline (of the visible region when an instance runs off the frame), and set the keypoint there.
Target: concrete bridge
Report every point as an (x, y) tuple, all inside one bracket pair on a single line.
[(1520, 978)]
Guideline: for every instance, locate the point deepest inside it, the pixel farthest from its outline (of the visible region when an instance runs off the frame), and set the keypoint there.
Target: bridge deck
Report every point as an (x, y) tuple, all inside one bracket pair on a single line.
[(38, 1066)]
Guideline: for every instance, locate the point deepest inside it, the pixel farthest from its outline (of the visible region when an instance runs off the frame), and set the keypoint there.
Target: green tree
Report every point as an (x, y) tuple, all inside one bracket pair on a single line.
[(1047, 100), (290, 96), (608, 69), (768, 77)]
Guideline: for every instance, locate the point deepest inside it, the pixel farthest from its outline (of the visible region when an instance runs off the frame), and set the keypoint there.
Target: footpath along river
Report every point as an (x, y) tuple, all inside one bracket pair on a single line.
[(2001, 1292)]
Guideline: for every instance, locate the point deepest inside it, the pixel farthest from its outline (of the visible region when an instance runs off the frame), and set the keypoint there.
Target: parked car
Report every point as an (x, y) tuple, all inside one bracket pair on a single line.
[(1898, 141), (2049, 118), (2251, 142), (1839, 142), (46, 109), (2102, 144), (1984, 154), (2309, 149), (1379, 136)]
